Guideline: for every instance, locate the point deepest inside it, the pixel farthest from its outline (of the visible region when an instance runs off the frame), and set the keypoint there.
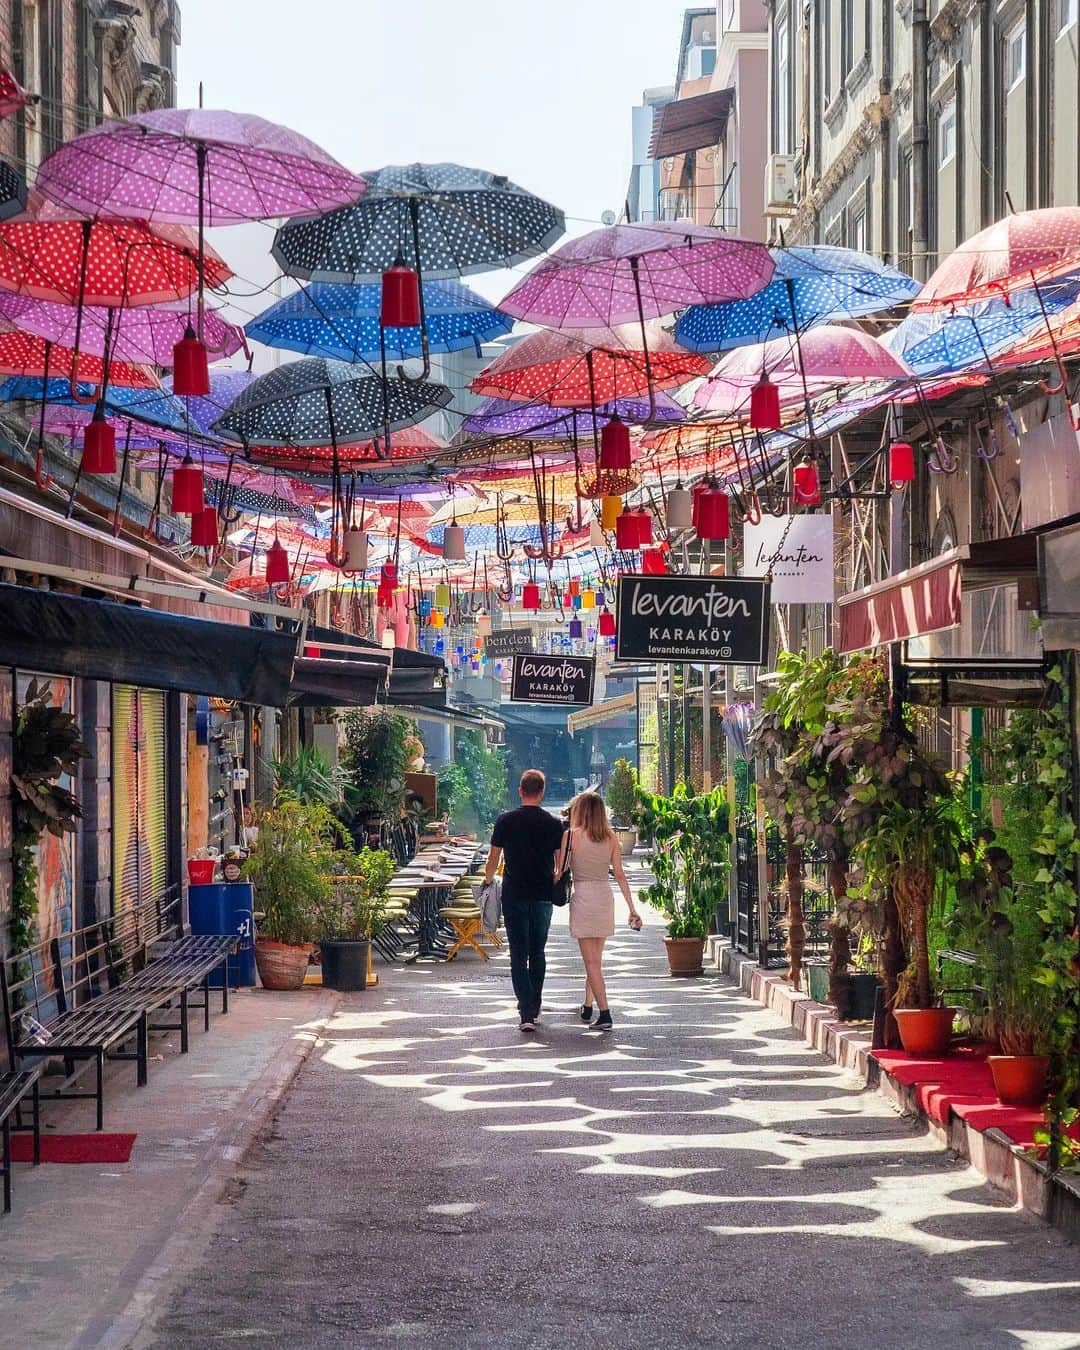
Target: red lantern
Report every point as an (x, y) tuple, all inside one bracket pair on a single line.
[(400, 297), (644, 529), (765, 405), (695, 509), (388, 574), (187, 488), (615, 446), (384, 595), (653, 563), (277, 564), (901, 463), (607, 624), (573, 587), (191, 366), (628, 531), (99, 446), (204, 528), (806, 490), (530, 595), (714, 516)]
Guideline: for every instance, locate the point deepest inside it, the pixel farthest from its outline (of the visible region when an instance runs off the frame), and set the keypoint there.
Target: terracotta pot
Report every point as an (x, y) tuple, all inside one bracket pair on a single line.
[(627, 840), (281, 966), (1020, 1080), (684, 955), (925, 1031)]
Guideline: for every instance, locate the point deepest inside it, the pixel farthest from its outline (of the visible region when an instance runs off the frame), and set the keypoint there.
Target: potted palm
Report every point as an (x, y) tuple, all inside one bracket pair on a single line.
[(620, 796), (289, 866), (351, 913)]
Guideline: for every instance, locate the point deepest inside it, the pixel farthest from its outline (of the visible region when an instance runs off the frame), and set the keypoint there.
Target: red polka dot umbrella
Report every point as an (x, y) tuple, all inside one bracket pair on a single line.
[(27, 354)]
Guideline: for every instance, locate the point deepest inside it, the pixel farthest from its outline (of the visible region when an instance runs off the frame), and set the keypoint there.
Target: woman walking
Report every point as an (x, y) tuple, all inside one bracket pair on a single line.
[(594, 852)]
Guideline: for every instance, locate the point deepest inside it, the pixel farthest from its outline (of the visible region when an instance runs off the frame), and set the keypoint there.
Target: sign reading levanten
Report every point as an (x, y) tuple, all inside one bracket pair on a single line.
[(798, 551), (712, 619), (507, 641), (536, 678)]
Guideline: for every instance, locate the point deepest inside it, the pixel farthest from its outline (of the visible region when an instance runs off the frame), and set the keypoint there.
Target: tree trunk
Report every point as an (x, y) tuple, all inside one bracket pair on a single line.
[(796, 929), (893, 961), (839, 941)]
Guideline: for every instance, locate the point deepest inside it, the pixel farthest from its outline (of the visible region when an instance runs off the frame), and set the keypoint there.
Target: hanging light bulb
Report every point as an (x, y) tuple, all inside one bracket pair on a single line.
[(615, 446), (765, 405), (610, 510), (187, 488), (679, 508), (277, 564), (453, 545), (191, 367), (714, 515), (644, 524), (607, 624), (901, 463), (695, 511), (400, 296), (99, 445), (628, 531), (530, 596), (204, 528), (806, 489)]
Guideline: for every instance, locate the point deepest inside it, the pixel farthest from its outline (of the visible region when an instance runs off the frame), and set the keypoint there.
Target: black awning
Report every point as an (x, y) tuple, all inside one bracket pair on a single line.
[(407, 685), (317, 636), (128, 644), (955, 682), (319, 682)]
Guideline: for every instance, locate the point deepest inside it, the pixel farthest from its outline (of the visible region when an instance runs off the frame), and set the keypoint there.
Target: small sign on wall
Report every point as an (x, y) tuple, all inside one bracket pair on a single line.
[(693, 618), (507, 641), (537, 678), (798, 550)]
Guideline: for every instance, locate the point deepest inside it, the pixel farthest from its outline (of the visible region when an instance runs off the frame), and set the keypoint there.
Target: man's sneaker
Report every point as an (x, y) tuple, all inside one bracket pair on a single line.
[(536, 1016), (585, 1012), (603, 1021), (527, 1024)]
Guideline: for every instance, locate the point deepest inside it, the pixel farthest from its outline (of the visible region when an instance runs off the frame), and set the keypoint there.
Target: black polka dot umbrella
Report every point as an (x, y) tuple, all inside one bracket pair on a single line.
[(12, 191)]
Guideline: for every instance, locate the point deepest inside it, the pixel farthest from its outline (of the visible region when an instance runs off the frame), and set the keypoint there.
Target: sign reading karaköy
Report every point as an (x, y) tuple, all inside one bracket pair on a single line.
[(536, 678), (799, 552), (721, 619), (507, 641)]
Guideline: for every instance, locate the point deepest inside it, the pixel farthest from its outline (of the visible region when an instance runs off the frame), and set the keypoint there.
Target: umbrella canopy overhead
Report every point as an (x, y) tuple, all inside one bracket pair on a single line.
[(409, 445), (156, 165), (226, 386), (504, 417), (27, 354), (445, 219), (554, 368), (152, 406), (625, 272), (1008, 256), (144, 335), (830, 353), (12, 95), (342, 321), (812, 284), (317, 402)]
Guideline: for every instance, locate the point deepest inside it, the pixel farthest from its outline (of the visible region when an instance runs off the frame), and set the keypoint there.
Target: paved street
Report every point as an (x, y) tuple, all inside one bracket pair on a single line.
[(699, 1177)]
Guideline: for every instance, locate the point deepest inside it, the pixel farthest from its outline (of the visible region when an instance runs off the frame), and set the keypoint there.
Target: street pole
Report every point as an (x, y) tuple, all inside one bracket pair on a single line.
[(706, 701)]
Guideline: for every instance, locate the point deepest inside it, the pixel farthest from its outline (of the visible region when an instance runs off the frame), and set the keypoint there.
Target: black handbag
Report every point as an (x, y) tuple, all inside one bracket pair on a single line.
[(562, 888)]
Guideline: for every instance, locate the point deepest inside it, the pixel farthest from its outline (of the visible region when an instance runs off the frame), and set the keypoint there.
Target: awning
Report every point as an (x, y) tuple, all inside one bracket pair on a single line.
[(601, 712), (127, 644), (450, 716), (319, 682), (927, 599), (959, 683), (690, 123)]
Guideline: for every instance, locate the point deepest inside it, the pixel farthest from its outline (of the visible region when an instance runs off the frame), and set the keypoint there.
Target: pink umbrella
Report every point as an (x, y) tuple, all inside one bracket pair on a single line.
[(144, 336), (12, 95), (830, 353)]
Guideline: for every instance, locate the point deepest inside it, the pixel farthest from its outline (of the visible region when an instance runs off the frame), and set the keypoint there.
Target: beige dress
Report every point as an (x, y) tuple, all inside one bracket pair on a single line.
[(592, 905)]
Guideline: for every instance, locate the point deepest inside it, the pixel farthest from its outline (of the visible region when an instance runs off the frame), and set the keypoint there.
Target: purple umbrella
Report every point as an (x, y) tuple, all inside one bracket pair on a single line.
[(225, 387), (503, 417), (146, 335)]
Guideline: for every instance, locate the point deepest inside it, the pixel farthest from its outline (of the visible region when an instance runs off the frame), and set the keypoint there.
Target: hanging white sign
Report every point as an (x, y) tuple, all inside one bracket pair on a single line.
[(799, 552)]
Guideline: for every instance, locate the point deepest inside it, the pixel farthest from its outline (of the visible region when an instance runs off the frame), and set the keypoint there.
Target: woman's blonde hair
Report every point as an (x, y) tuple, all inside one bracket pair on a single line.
[(588, 813)]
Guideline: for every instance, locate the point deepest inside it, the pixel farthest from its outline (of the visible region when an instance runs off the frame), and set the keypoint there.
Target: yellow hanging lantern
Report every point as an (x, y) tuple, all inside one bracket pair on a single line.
[(610, 511), (588, 598), (437, 620), (442, 596)]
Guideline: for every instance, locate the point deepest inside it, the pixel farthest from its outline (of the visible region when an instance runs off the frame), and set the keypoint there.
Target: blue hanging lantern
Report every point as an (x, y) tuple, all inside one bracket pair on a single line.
[(575, 601), (440, 646), (576, 628)]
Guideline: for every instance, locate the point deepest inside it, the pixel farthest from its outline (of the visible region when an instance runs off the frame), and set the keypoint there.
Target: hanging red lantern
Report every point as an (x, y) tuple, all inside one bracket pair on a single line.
[(530, 595), (573, 586), (653, 563), (204, 528), (187, 488), (615, 446), (384, 595), (400, 297), (714, 515), (806, 489), (695, 508), (277, 564), (607, 624), (644, 524), (765, 405), (99, 445), (191, 366), (628, 531), (901, 463)]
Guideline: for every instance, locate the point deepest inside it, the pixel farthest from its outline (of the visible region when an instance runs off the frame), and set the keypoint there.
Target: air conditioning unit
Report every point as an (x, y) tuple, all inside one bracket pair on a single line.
[(780, 185)]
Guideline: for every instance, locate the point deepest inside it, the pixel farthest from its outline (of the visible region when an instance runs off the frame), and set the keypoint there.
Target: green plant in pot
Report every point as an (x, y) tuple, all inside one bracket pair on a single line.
[(289, 866), (375, 758), (352, 912), (621, 802)]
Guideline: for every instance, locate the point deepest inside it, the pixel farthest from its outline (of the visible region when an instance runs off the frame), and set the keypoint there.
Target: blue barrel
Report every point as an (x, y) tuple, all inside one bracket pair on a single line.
[(227, 908)]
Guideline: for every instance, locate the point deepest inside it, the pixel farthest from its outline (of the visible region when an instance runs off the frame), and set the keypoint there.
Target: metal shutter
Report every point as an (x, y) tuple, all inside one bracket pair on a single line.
[(140, 814)]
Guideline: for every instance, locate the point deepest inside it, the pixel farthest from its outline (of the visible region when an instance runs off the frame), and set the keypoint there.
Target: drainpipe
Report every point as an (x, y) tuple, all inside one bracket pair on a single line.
[(987, 203), (885, 99), (920, 141)]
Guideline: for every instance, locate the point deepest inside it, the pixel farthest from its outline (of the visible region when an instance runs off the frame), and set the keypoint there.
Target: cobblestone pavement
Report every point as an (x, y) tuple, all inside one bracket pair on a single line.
[(698, 1177)]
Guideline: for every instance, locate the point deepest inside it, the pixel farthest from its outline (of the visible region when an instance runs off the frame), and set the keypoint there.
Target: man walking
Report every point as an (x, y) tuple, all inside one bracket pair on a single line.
[(529, 839)]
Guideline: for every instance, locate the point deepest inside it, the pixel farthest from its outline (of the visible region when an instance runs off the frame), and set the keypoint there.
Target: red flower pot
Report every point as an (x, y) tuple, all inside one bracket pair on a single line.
[(1019, 1080), (925, 1031)]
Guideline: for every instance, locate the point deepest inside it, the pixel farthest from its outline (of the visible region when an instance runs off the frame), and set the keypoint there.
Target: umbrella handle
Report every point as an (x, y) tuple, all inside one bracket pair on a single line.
[(43, 480), (414, 221), (73, 383), (941, 459), (752, 514), (644, 337), (987, 455)]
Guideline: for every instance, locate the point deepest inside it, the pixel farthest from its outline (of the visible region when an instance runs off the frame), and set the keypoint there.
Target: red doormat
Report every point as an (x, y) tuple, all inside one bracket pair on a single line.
[(74, 1148)]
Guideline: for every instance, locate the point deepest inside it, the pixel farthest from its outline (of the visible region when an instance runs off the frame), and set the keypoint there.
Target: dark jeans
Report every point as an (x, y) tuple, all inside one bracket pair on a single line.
[(527, 923)]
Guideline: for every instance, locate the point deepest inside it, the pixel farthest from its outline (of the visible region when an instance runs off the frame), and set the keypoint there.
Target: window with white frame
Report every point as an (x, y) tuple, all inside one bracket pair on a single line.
[(1066, 14), (946, 136), (783, 87), (1015, 54)]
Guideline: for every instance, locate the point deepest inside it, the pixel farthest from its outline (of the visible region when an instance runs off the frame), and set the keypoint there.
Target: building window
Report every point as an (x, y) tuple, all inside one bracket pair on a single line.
[(782, 106), (847, 38), (1066, 14), (1015, 54), (946, 137), (826, 51)]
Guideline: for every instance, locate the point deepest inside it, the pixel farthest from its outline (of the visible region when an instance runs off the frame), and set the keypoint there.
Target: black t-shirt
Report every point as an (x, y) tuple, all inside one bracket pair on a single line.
[(528, 838)]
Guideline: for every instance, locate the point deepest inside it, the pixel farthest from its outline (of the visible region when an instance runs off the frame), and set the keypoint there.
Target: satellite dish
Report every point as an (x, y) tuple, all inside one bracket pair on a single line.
[(608, 218)]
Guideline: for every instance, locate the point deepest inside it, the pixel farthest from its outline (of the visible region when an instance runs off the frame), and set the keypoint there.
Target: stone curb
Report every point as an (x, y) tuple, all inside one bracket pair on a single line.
[(1005, 1165), (194, 1226)]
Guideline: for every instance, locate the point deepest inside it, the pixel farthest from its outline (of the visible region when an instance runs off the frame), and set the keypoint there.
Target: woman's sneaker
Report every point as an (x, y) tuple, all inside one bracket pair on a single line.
[(585, 1012), (603, 1021)]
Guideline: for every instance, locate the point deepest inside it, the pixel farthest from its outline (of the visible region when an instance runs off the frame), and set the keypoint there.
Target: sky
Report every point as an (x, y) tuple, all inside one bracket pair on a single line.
[(540, 91)]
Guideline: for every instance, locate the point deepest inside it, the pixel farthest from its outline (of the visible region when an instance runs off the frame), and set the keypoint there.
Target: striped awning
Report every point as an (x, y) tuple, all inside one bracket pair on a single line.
[(601, 712)]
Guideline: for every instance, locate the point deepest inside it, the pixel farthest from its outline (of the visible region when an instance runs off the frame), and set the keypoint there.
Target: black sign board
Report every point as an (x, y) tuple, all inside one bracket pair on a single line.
[(537, 678), (507, 641), (721, 619)]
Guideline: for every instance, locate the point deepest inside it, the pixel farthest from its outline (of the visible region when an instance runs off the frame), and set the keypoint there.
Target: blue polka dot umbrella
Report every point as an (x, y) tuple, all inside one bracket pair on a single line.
[(812, 284)]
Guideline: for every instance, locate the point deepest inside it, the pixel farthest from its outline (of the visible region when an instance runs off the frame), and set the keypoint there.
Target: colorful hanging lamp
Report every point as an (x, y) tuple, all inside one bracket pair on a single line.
[(679, 509), (204, 528), (596, 534), (653, 562), (615, 446), (442, 595), (610, 511), (355, 547), (901, 463), (765, 405), (191, 367), (187, 488), (436, 619), (588, 598), (99, 445), (805, 485), (628, 531), (607, 624), (453, 544), (400, 306), (576, 629), (277, 564), (714, 515), (644, 524), (530, 596)]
